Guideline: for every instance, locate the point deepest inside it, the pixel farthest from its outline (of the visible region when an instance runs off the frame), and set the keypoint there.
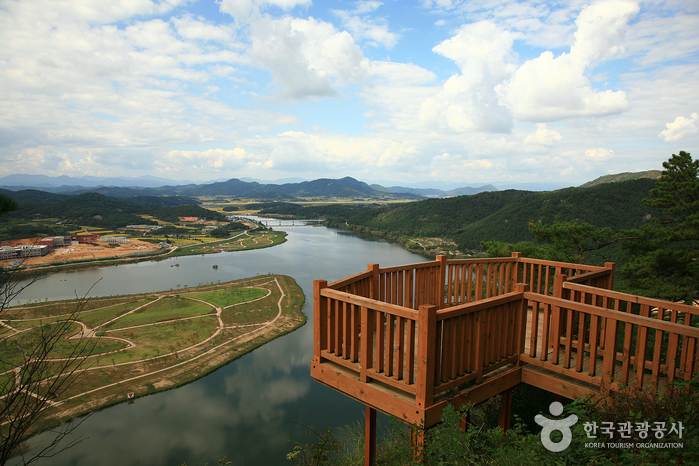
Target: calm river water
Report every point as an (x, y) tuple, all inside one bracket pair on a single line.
[(254, 409)]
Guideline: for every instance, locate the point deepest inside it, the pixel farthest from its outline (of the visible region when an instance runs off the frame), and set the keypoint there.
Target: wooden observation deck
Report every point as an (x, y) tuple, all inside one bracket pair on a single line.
[(407, 340)]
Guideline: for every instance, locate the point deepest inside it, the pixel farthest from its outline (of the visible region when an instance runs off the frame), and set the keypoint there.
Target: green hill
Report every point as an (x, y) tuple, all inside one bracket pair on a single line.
[(502, 215)]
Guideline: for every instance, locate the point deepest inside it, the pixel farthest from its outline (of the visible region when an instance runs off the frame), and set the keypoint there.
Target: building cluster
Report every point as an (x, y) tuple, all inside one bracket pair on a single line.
[(48, 244)]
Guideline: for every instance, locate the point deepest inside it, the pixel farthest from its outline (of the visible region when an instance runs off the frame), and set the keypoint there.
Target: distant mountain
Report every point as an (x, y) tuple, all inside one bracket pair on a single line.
[(346, 188), (626, 176), (468, 191), (433, 192), (66, 183)]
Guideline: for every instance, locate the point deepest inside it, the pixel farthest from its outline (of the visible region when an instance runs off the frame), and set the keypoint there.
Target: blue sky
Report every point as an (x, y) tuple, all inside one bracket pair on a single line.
[(467, 92)]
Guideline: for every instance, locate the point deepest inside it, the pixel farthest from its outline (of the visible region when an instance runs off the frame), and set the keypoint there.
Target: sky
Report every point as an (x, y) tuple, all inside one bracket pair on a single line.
[(405, 92)]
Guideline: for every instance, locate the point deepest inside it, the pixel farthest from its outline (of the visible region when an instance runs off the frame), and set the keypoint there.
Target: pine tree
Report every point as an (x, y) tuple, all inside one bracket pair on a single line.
[(665, 261)]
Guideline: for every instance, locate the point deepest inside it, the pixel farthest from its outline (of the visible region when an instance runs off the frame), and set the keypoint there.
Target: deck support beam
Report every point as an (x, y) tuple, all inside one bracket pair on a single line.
[(505, 410), (369, 436)]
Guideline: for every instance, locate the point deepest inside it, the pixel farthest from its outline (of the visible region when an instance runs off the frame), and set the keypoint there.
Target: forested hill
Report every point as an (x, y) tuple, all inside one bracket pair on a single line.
[(500, 216), (46, 214)]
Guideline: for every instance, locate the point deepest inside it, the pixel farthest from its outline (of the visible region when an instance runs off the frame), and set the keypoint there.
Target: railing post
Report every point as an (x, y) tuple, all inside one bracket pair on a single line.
[(320, 317), (441, 282), (521, 322), (609, 357), (426, 350), (366, 357), (610, 280), (374, 291), (514, 276), (481, 340), (559, 316)]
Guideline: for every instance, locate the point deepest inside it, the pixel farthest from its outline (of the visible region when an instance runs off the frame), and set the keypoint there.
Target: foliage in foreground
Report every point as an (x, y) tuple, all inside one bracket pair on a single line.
[(481, 444)]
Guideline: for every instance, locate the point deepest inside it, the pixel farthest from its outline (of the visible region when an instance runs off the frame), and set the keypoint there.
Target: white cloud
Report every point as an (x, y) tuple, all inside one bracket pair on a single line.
[(468, 102), (543, 136), (680, 128), (244, 8), (308, 58), (549, 89), (372, 29), (599, 155)]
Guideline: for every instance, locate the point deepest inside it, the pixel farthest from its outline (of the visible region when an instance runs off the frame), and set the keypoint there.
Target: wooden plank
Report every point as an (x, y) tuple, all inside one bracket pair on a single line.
[(479, 305), (672, 349), (534, 332), (569, 337), (319, 319), (469, 284), (580, 348), (356, 331), (609, 356), (491, 387), (367, 393), (427, 331), (655, 372), (372, 303), (555, 385), (366, 358), (641, 346), (545, 332), (369, 436), (594, 333), (390, 344), (410, 338), (481, 341), (620, 317), (652, 302), (336, 285), (479, 282), (400, 347)]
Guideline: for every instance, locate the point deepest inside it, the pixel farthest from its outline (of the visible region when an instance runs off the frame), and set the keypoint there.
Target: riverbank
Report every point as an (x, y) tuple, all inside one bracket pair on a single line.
[(146, 343), (93, 256)]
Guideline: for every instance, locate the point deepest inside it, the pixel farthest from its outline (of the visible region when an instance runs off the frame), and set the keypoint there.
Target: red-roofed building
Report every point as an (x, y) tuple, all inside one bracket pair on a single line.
[(188, 219)]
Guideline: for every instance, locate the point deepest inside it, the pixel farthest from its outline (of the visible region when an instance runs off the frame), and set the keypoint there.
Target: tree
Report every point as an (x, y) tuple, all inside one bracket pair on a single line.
[(32, 376), (561, 241), (664, 261), (7, 204)]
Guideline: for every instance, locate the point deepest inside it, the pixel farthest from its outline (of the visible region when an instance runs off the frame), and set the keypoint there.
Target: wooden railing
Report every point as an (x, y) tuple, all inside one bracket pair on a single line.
[(424, 331), (539, 274), (447, 283), (612, 339), (424, 352)]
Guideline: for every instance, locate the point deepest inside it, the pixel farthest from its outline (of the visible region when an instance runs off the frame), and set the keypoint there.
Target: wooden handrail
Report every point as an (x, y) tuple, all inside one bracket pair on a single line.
[(350, 280), (564, 265), (398, 311), (656, 324), (653, 302)]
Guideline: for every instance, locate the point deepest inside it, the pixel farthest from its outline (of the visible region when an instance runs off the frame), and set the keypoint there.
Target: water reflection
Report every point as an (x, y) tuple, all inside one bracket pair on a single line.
[(254, 409)]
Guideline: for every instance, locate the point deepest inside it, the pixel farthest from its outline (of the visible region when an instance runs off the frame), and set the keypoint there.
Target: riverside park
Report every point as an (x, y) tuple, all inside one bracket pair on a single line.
[(116, 348)]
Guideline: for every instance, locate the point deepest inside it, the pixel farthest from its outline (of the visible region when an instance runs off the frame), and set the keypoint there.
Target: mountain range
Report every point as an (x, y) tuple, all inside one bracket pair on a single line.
[(346, 188), (144, 186)]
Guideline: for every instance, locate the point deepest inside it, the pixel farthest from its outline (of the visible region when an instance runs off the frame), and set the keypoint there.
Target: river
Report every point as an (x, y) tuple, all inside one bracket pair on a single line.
[(253, 410)]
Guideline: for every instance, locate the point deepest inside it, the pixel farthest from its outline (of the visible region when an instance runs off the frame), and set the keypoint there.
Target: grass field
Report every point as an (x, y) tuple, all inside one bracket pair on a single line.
[(148, 342)]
